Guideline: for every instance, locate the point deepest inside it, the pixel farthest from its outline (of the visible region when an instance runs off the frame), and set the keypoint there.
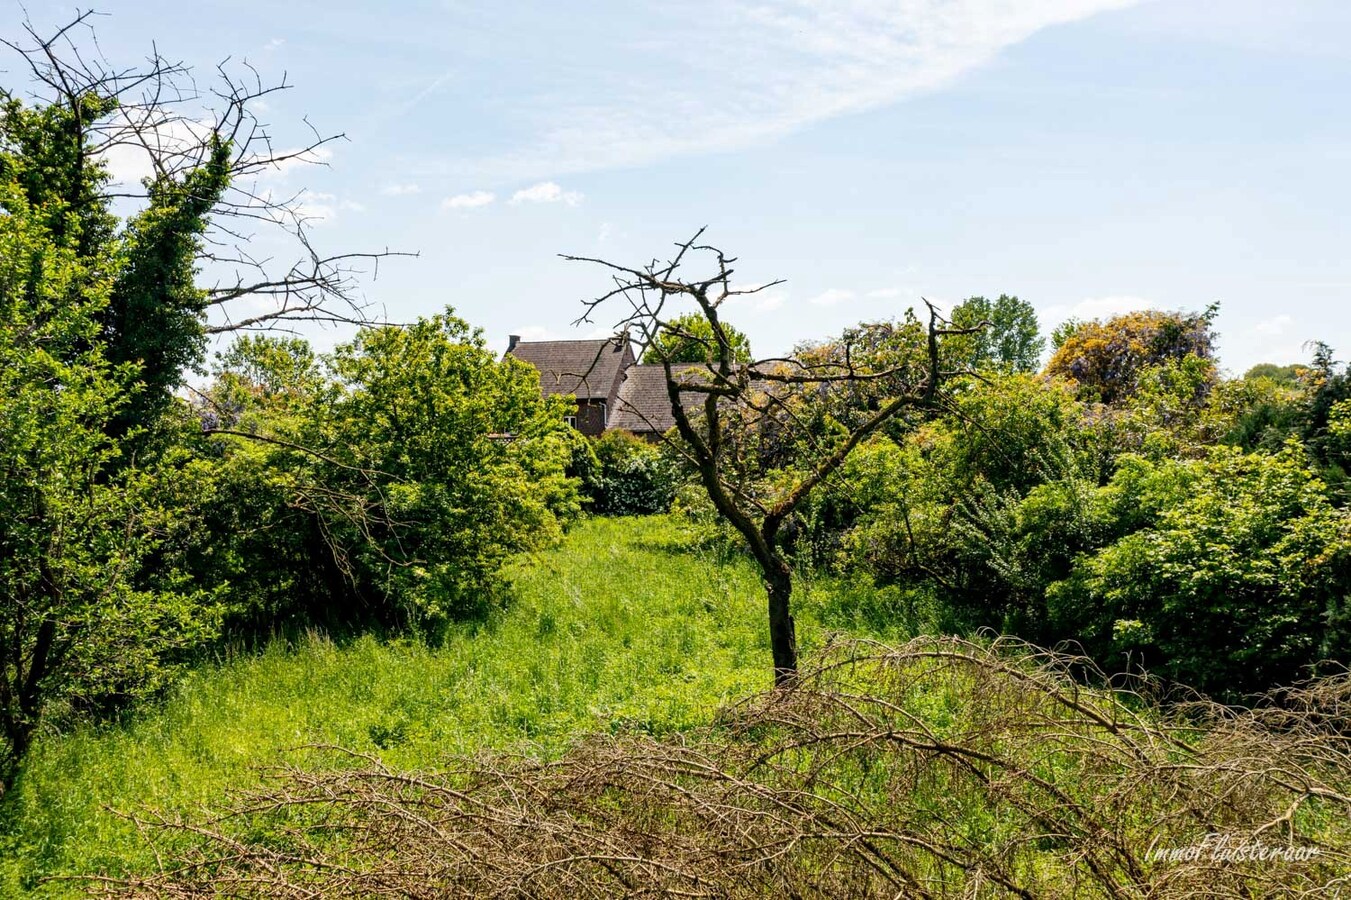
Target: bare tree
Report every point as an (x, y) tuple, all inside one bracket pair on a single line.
[(725, 411), (156, 114)]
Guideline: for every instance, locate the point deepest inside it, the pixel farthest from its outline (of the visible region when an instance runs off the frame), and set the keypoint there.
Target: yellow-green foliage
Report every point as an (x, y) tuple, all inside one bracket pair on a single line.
[(1107, 357), (623, 628)]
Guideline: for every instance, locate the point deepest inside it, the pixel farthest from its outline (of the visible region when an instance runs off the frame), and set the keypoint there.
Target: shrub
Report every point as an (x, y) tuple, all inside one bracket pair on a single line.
[(389, 481), (1231, 573), (628, 477)]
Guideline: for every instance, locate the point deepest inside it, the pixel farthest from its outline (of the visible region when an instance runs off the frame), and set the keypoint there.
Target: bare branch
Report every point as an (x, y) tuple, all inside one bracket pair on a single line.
[(729, 413)]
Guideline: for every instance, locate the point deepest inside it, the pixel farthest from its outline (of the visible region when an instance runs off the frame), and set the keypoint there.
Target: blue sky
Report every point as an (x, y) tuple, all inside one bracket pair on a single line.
[(1090, 156)]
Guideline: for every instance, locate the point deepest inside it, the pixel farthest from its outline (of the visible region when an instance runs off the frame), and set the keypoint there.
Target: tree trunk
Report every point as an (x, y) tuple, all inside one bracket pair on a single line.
[(782, 634)]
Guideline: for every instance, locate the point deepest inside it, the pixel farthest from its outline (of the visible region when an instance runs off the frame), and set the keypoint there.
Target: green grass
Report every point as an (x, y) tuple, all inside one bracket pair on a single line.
[(622, 627)]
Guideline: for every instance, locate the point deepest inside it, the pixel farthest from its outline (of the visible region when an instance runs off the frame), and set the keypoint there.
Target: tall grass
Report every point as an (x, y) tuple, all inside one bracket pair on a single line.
[(623, 628)]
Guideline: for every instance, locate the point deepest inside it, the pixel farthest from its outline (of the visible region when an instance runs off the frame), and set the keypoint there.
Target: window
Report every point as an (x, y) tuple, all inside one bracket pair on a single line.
[(571, 420)]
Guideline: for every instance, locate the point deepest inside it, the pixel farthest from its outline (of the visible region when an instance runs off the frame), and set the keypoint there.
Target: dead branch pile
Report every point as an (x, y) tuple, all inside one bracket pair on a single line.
[(942, 768)]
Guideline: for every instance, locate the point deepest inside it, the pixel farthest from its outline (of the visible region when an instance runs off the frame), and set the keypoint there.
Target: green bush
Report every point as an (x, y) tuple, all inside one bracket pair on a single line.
[(1231, 573), (389, 481), (626, 476)]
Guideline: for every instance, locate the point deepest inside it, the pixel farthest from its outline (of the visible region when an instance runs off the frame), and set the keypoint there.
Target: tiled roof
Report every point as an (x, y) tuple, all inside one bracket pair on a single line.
[(587, 369), (643, 404)]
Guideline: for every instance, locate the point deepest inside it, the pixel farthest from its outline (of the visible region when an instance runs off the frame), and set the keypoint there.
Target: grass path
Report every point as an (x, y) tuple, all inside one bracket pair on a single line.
[(621, 627)]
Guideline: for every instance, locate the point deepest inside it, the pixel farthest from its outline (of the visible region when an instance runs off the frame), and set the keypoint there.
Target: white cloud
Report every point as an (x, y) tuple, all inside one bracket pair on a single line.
[(129, 161), (732, 73), (469, 201), (1096, 308), (546, 192), (315, 206), (770, 301), (539, 333), (1273, 326), (884, 294), (401, 190), (762, 298), (831, 297), (295, 158)]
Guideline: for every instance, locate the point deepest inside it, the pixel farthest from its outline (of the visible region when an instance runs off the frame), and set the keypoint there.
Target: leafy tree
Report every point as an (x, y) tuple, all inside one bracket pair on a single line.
[(393, 478), (1171, 411), (690, 339), (1256, 412), (389, 480), (1286, 375), (466, 459), (77, 519), (152, 315), (1009, 340), (1322, 426), (1012, 431), (943, 506), (1064, 331), (899, 349), (100, 316), (1270, 405), (1107, 358), (198, 208)]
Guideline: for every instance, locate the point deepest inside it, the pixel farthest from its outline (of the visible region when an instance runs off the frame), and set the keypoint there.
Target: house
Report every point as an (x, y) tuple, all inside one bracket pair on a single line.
[(613, 391), (591, 371)]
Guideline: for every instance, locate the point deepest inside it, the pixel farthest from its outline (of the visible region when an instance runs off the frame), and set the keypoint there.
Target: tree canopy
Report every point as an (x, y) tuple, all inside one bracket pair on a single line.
[(78, 516), (1106, 357), (1009, 339), (690, 339)]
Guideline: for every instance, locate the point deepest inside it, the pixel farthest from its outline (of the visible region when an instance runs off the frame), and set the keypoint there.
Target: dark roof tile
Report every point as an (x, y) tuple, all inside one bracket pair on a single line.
[(587, 369), (643, 404)]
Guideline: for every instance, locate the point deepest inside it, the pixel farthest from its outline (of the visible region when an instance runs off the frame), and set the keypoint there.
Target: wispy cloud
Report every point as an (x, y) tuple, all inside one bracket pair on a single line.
[(758, 297), (890, 293), (546, 192), (316, 207), (770, 301), (731, 74), (293, 159), (128, 162), (1274, 326), (832, 297), (469, 201), (1096, 308), (540, 333), (405, 189)]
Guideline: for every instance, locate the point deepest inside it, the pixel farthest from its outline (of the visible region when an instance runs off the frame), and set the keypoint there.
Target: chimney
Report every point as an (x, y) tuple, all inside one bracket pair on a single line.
[(512, 341)]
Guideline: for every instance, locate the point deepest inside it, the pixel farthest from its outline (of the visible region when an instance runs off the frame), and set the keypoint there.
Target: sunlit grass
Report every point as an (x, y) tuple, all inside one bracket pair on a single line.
[(621, 628)]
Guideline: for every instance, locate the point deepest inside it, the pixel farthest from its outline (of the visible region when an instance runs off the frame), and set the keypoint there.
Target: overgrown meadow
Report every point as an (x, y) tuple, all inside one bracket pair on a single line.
[(278, 622)]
